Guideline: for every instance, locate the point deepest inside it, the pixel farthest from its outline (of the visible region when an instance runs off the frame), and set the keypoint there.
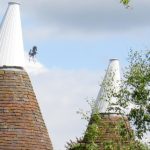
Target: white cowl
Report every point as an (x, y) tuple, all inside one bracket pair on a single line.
[(11, 42), (109, 86)]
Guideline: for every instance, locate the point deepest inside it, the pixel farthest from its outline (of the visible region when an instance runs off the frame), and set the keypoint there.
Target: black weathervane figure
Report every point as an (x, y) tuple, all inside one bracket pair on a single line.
[(32, 53)]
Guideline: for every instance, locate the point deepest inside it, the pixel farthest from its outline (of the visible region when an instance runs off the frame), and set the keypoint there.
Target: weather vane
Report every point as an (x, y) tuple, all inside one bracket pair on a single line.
[(32, 53)]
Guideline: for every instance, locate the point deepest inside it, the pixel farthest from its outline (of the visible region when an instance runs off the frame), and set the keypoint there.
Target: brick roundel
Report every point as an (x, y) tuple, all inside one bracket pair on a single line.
[(21, 124)]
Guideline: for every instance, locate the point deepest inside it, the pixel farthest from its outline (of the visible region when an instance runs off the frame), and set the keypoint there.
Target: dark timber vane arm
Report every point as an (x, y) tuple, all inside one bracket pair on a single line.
[(32, 53)]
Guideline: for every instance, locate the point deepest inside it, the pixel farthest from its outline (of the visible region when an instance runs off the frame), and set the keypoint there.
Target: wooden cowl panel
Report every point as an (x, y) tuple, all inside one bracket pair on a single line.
[(21, 123)]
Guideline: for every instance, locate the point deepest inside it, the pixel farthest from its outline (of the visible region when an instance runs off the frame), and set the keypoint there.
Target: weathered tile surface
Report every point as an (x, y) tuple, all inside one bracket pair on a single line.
[(21, 124)]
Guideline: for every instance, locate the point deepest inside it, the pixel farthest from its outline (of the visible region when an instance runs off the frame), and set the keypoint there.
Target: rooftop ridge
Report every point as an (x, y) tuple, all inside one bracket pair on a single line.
[(10, 67), (11, 3)]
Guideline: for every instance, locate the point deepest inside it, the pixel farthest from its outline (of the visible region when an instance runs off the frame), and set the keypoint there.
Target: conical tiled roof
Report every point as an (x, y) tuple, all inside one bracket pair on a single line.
[(21, 124), (113, 132)]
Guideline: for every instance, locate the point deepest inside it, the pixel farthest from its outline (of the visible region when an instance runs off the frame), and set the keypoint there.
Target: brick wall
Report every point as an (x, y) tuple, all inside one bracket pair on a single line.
[(21, 123)]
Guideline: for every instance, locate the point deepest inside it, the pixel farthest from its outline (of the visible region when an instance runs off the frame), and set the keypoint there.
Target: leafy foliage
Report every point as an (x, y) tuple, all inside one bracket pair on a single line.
[(94, 133), (135, 91), (125, 2), (134, 95), (88, 142)]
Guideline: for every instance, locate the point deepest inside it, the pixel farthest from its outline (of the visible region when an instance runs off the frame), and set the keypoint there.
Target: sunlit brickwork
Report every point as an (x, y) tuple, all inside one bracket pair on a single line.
[(21, 124)]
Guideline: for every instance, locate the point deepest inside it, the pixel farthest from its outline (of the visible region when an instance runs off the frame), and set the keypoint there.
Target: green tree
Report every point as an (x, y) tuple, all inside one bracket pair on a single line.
[(134, 95), (135, 91)]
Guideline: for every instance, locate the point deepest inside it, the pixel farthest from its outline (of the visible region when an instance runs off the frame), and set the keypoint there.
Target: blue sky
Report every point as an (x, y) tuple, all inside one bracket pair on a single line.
[(91, 55), (85, 35), (96, 32), (75, 41)]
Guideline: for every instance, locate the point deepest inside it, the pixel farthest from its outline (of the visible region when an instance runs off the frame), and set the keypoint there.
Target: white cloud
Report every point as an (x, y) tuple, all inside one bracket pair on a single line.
[(34, 67), (60, 94), (88, 16), (44, 19), (38, 33), (75, 18)]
